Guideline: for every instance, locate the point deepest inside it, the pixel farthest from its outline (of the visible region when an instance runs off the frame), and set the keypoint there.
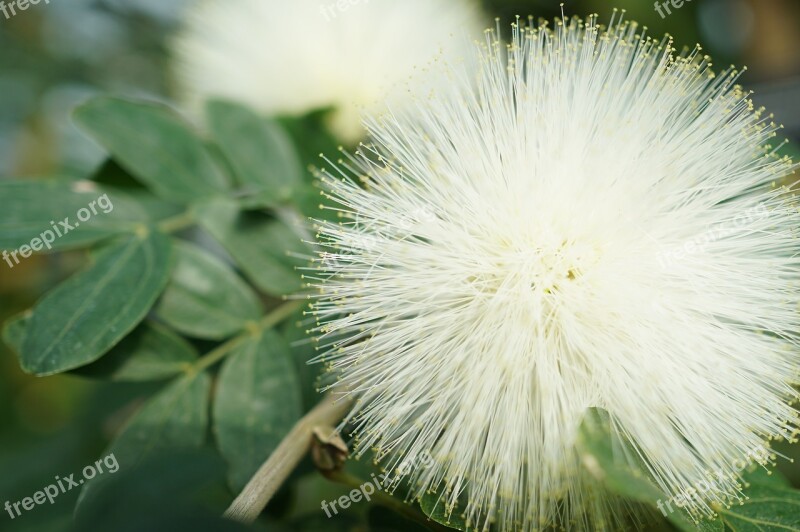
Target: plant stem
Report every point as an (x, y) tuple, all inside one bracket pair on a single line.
[(255, 328), (272, 474), (177, 223)]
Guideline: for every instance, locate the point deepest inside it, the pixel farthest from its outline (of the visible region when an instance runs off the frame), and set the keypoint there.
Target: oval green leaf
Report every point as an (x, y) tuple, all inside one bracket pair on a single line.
[(155, 145), (88, 314), (262, 155), (257, 403), (265, 248), (175, 417), (433, 505), (205, 298), (151, 352), (770, 506)]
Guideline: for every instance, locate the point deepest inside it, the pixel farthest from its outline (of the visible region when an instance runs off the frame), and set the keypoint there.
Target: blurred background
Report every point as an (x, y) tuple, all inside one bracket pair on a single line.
[(54, 55)]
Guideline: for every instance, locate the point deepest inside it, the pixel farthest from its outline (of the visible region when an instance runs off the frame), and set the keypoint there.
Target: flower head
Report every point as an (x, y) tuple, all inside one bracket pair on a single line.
[(292, 57), (589, 221)]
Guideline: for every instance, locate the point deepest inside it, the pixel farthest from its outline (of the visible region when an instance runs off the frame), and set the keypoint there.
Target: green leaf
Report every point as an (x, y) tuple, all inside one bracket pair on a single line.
[(610, 461), (757, 474), (303, 349), (262, 154), (155, 145), (707, 525), (45, 209), (771, 506), (257, 403), (175, 418), (111, 174), (433, 505), (312, 138), (604, 457), (90, 313), (262, 246), (381, 519), (205, 298), (150, 352)]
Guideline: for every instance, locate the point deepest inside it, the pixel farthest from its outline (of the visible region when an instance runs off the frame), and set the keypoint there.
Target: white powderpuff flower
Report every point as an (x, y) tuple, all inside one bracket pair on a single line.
[(590, 220), (292, 57)]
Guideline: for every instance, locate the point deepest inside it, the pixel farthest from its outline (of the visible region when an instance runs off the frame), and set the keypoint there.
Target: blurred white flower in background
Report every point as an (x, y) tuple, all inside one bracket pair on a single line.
[(295, 56), (531, 284)]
